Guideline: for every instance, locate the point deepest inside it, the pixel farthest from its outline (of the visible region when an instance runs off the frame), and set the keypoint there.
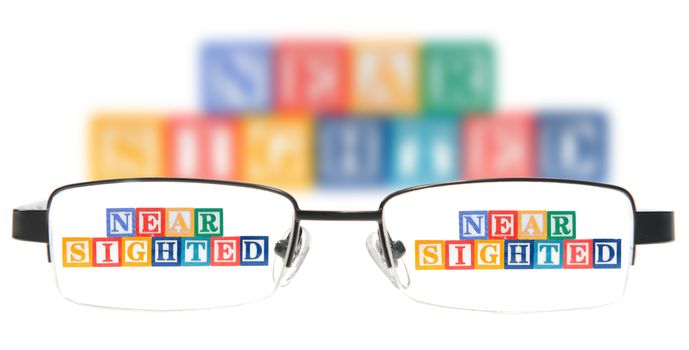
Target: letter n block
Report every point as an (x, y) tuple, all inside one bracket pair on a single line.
[(548, 254), (225, 251), (236, 76), (106, 252), (473, 224), (459, 255), (209, 222), (150, 222), (166, 251), (458, 77), (277, 151), (121, 222), (562, 225), (76, 252), (607, 253), (311, 76), (254, 250), (429, 254), (502, 224), (499, 145), (519, 254), (351, 152), (196, 251), (385, 77), (578, 254), (136, 251), (179, 222)]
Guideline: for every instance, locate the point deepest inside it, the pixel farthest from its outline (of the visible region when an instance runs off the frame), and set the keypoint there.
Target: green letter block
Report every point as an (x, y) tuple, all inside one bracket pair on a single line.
[(562, 225), (208, 221)]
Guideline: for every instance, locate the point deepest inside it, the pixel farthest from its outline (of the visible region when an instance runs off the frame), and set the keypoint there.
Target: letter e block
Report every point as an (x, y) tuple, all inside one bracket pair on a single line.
[(502, 224), (225, 251), (578, 254), (150, 222)]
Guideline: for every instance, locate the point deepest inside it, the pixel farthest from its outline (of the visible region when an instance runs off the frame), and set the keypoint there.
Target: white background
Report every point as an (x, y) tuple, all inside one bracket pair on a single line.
[(60, 60)]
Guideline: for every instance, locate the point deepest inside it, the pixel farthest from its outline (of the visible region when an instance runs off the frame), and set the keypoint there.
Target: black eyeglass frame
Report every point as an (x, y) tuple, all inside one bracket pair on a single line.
[(31, 224)]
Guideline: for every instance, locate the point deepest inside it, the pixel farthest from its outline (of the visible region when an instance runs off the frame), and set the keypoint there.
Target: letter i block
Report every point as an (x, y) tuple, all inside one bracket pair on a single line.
[(519, 254), (459, 255), (311, 76), (225, 251), (422, 150), (429, 254), (499, 145), (209, 222), (136, 251), (607, 253), (385, 77), (150, 222), (532, 224), (196, 251), (458, 77), (548, 255), (578, 254), (277, 152), (351, 152), (166, 251), (236, 77), (121, 222), (202, 147), (574, 144), (180, 222), (473, 224), (106, 252), (488, 254), (562, 225), (76, 252), (502, 224), (254, 250), (123, 145)]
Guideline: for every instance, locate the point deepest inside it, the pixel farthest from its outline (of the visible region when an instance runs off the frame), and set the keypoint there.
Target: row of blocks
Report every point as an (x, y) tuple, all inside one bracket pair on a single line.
[(385, 76), (165, 251), (518, 254), (167, 222), (301, 151), (513, 224)]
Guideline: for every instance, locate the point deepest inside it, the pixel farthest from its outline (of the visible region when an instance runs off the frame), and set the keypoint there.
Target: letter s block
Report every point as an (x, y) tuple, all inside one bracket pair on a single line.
[(429, 254), (76, 252)]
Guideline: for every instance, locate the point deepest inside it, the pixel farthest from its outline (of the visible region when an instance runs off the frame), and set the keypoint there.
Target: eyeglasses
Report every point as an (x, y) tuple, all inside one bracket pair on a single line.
[(497, 244)]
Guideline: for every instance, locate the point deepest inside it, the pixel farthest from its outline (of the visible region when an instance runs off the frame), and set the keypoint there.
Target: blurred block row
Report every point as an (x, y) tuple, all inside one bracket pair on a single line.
[(331, 76), (345, 151)]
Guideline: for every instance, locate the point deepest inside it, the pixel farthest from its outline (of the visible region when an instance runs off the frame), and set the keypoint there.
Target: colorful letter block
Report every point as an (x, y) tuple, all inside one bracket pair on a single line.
[(473, 224), (121, 222), (236, 77), (519, 254), (562, 225), (196, 251), (209, 222), (76, 252), (277, 152), (532, 224), (350, 152), (166, 251), (136, 251), (202, 147), (430, 254), (574, 144), (458, 77), (254, 250), (578, 254), (499, 145), (225, 251), (385, 77), (150, 222), (607, 254), (502, 224), (489, 254), (180, 222), (126, 144), (422, 150), (459, 255), (106, 252), (311, 76), (548, 255)]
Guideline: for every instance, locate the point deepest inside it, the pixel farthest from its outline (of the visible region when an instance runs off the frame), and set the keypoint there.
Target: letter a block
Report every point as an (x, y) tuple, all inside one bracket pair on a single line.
[(180, 222), (429, 254), (254, 250), (532, 224), (209, 222), (121, 222), (473, 225), (562, 225)]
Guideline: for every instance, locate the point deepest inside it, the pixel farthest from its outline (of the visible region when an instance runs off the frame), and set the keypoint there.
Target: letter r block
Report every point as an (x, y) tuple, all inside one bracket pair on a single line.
[(473, 224), (209, 222), (562, 225), (429, 254)]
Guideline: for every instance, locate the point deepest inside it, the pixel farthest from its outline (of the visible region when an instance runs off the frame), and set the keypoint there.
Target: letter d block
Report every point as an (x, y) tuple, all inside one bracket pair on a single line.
[(607, 253), (209, 222), (430, 254), (76, 252), (225, 251), (562, 225), (254, 250), (473, 225)]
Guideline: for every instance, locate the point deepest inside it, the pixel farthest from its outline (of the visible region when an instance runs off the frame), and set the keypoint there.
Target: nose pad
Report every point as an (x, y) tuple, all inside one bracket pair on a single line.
[(397, 274), (283, 276)]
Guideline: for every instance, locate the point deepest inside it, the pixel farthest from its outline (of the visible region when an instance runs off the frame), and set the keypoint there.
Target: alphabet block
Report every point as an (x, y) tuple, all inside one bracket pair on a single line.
[(196, 252), (106, 252), (607, 253), (488, 254), (209, 222), (473, 224), (519, 254), (180, 222), (136, 251), (254, 250), (578, 254), (502, 224), (150, 222), (76, 252), (562, 225), (548, 254), (429, 254), (225, 251), (459, 255), (166, 251), (120, 222), (532, 224)]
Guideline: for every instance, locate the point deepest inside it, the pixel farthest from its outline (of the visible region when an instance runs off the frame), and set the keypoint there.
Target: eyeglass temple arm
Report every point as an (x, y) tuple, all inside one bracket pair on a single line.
[(654, 227)]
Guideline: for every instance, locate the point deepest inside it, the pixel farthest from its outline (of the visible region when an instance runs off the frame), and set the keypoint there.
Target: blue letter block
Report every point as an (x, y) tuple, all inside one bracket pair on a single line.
[(519, 254), (165, 251), (607, 253), (120, 222), (254, 250), (473, 225), (196, 251), (350, 152), (548, 254), (236, 77), (574, 144)]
